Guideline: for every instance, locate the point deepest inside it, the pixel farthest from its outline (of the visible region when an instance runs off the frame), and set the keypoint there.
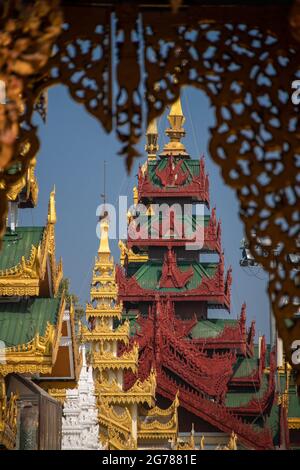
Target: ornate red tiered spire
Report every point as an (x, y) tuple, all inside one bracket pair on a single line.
[(171, 231), (162, 181), (162, 346), (205, 359)]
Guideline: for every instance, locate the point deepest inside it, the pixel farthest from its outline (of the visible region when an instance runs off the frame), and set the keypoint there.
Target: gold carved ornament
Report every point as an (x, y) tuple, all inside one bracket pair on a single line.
[(103, 310), (120, 441), (28, 31), (104, 359), (158, 423), (58, 393), (245, 69), (141, 391), (8, 417), (109, 417), (24, 278), (294, 423), (103, 332)]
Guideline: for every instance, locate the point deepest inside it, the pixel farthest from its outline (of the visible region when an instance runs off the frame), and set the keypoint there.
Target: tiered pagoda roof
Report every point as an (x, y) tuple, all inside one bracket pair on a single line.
[(183, 281), (35, 337), (168, 179), (180, 232), (222, 378), (31, 313)]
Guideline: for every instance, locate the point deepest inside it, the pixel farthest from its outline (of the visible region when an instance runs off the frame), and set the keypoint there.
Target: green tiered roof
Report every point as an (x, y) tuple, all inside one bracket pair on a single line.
[(20, 321), (210, 328), (191, 166), (294, 403), (149, 274), (237, 399), (188, 222), (245, 366), (19, 243), (273, 422)]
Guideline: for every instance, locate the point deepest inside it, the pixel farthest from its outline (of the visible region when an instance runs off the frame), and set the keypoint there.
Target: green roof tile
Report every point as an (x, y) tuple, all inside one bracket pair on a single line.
[(189, 222), (273, 422), (294, 405), (20, 321), (245, 366), (149, 274), (237, 399), (17, 244), (192, 165), (210, 328)]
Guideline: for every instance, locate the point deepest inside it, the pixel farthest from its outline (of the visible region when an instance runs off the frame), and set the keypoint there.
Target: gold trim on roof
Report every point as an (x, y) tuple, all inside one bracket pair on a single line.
[(103, 332), (109, 417), (58, 393), (108, 360), (140, 392), (104, 311), (36, 356), (24, 278), (157, 423), (104, 263), (158, 426), (127, 254), (156, 411), (110, 292), (116, 442), (294, 423), (190, 444)]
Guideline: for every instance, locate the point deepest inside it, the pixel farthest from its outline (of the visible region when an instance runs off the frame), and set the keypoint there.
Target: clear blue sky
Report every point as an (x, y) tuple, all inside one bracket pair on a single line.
[(73, 148)]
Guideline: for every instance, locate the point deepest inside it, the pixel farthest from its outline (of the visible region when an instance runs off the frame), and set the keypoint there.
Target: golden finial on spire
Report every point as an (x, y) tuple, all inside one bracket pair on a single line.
[(152, 146), (51, 208), (176, 131), (104, 221), (104, 241)]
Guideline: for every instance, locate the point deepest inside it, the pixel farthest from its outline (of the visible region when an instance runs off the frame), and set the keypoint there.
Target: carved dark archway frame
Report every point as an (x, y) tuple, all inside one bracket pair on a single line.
[(245, 61)]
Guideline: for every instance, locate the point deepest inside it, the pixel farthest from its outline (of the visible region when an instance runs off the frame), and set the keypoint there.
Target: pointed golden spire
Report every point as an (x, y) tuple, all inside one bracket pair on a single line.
[(152, 146), (176, 131), (51, 208), (176, 114), (104, 241)]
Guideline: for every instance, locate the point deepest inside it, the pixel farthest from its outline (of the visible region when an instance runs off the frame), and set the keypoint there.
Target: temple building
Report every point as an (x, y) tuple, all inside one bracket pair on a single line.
[(127, 419), (157, 368), (171, 280), (38, 350)]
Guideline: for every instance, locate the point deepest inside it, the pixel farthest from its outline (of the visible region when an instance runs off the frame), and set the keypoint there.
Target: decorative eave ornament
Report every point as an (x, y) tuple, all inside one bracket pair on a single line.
[(25, 277)]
